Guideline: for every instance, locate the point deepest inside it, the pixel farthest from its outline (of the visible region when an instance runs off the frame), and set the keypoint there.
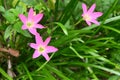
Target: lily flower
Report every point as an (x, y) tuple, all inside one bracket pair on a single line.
[(31, 22), (42, 48), (89, 15)]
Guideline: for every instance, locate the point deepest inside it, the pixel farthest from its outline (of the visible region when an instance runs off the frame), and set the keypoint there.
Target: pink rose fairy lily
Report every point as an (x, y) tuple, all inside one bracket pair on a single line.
[(31, 23), (42, 48), (90, 16)]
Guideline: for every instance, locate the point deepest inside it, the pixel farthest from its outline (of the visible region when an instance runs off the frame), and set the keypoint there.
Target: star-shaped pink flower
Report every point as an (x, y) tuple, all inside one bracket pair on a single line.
[(90, 16), (31, 22), (42, 48)]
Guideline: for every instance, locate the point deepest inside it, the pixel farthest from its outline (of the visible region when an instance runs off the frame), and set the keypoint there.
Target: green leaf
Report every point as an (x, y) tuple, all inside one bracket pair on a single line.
[(17, 27), (15, 12), (111, 28), (14, 2), (114, 78), (30, 2), (107, 69), (57, 72), (8, 32), (5, 74), (110, 10), (2, 9), (62, 27), (81, 57), (10, 17), (69, 9), (46, 75), (72, 34), (27, 71)]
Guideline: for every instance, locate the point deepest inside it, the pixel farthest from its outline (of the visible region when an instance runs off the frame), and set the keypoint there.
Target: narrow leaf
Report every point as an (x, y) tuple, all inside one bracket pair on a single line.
[(62, 27)]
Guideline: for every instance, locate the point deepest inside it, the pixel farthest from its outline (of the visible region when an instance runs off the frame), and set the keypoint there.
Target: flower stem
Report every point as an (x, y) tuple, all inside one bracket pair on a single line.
[(44, 63), (78, 21)]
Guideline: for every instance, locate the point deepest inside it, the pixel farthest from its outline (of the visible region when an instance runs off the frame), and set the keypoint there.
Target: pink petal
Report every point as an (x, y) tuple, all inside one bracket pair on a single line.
[(88, 22), (24, 27), (36, 54), (33, 45), (95, 22), (51, 49), (38, 17), (30, 13), (23, 18), (92, 8), (46, 56), (84, 7), (47, 41), (32, 31), (95, 15), (39, 26), (38, 39)]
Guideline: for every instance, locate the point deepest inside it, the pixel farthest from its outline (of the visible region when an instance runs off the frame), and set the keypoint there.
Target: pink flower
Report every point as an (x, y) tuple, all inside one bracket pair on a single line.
[(90, 16), (42, 48), (31, 23)]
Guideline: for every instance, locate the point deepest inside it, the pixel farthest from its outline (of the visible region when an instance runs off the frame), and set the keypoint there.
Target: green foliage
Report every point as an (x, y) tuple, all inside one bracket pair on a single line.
[(85, 52), (17, 28)]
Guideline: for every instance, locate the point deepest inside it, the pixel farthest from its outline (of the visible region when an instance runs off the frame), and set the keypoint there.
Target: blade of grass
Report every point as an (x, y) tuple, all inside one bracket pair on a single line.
[(111, 28), (100, 39), (90, 65), (107, 69), (28, 73), (81, 57), (62, 27), (94, 53), (60, 74), (107, 14), (72, 34), (68, 11), (110, 10), (5, 74), (56, 9), (91, 71), (41, 66)]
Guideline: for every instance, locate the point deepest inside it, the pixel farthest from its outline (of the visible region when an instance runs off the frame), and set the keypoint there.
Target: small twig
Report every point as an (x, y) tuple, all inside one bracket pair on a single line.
[(13, 52), (9, 71)]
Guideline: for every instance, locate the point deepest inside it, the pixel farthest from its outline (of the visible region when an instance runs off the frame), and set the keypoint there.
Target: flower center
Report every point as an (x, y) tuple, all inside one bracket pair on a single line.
[(87, 17), (30, 24), (41, 49)]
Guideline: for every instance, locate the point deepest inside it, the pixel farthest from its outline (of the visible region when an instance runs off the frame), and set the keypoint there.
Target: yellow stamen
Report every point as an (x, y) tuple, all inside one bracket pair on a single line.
[(41, 49), (30, 24), (87, 17)]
